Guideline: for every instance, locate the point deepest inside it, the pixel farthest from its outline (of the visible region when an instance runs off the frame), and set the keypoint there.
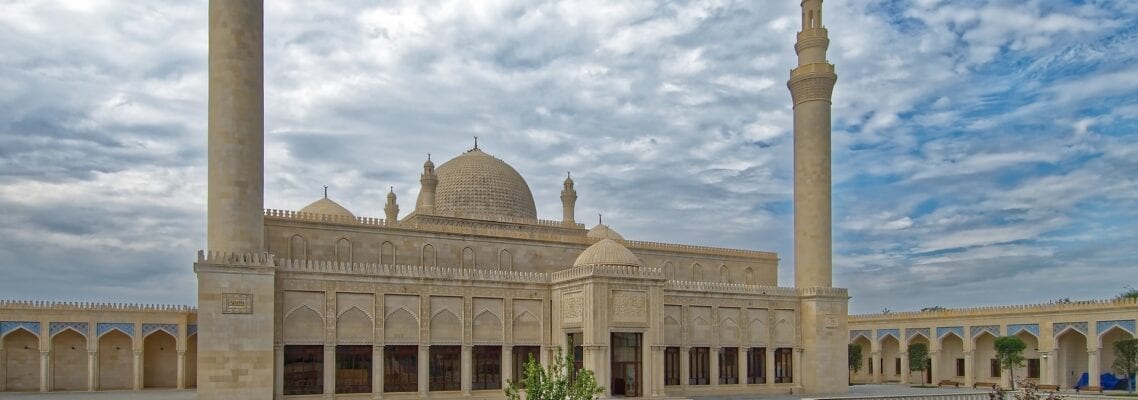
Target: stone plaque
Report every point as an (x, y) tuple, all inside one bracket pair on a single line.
[(236, 303), (831, 322)]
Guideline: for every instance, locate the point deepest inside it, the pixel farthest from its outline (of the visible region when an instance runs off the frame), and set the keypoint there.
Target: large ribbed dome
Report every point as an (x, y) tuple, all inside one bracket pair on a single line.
[(478, 184), (607, 252)]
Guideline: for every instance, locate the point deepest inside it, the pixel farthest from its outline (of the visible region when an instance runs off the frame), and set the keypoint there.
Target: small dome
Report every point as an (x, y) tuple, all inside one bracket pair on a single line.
[(602, 231), (326, 206), (607, 252), (476, 183)]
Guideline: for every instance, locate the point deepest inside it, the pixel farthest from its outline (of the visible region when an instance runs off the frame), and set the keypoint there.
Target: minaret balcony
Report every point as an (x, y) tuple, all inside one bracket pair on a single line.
[(813, 33)]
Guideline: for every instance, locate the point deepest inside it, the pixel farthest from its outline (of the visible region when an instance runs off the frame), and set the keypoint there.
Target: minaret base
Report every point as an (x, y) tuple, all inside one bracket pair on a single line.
[(825, 367)]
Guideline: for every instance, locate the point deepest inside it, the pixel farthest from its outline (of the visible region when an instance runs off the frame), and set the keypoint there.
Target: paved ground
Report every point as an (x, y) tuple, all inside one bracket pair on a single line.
[(859, 390)]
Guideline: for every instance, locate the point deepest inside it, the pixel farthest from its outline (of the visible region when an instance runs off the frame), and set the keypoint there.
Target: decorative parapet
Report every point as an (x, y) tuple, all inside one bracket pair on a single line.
[(227, 258), (1078, 306), (91, 306), (718, 251), (719, 287), (332, 219), (615, 271), (823, 292), (412, 271)]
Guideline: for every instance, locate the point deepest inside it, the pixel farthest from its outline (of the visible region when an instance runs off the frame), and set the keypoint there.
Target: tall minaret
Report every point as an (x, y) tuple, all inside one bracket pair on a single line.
[(236, 127), (236, 278), (811, 85), (568, 201), (392, 208), (426, 202)]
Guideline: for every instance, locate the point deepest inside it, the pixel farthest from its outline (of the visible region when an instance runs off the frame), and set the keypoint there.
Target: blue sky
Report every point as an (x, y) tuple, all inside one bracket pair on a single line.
[(984, 152)]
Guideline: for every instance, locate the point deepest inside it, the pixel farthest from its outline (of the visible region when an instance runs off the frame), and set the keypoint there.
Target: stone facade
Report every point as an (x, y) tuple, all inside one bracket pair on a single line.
[(1064, 341)]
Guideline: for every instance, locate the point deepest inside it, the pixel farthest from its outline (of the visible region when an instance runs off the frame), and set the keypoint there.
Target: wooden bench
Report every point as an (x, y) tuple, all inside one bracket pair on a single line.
[(1089, 389), (985, 385), (948, 382), (1047, 388)]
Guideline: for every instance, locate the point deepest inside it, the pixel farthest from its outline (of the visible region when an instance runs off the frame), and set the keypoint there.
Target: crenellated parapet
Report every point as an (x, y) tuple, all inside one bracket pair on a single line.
[(720, 287), (823, 292), (411, 271), (1075, 306), (209, 257), (92, 306), (608, 271), (332, 219)]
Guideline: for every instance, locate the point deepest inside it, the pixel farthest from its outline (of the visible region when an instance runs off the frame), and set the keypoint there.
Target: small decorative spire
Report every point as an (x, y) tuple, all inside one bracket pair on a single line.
[(600, 219), (325, 191), (476, 143), (392, 189)]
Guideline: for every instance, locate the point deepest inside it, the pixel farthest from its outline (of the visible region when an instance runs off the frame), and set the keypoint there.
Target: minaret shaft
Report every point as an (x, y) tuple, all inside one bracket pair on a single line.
[(811, 86), (236, 127)]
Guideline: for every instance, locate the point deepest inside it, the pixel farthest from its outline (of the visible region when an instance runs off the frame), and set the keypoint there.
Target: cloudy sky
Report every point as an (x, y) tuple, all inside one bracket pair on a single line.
[(984, 152)]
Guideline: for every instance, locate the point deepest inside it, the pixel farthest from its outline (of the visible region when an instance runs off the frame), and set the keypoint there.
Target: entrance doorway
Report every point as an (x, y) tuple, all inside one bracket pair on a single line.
[(626, 364)]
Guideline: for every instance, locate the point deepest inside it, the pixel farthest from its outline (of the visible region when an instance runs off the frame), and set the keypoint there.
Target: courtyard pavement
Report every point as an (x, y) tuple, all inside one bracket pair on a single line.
[(159, 394)]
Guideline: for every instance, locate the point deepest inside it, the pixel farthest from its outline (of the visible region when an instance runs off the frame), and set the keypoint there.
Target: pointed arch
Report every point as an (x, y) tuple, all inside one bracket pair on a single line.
[(354, 326), (527, 328), (446, 327), (160, 360), (303, 325), (387, 253), (22, 351), (672, 331), (697, 272), (428, 257), (401, 326), (487, 327), (297, 247), (468, 260), (505, 260), (724, 274), (344, 250), (69, 360), (749, 276), (116, 361), (728, 332), (669, 270)]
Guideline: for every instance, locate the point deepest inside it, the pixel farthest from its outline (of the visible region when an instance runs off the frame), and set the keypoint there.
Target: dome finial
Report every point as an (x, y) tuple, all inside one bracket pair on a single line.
[(428, 156), (325, 191), (600, 219), (476, 143)]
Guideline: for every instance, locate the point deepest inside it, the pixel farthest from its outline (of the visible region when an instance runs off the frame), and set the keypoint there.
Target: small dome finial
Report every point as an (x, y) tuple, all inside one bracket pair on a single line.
[(600, 219), (428, 156), (325, 191), (476, 143), (392, 189)]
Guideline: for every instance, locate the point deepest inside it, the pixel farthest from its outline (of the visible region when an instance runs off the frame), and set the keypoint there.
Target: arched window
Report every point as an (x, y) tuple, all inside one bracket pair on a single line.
[(750, 276), (467, 258), (724, 274), (344, 250), (505, 260), (669, 270), (387, 253), (297, 248), (428, 257), (697, 272)]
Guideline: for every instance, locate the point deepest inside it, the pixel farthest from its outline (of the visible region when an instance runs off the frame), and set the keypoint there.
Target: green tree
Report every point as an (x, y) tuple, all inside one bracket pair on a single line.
[(854, 358), (1126, 360), (1128, 292), (1009, 353), (556, 382), (933, 308), (918, 357)]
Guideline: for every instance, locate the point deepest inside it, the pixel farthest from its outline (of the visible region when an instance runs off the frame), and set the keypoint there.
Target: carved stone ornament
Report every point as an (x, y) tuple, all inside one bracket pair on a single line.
[(572, 306), (236, 303)]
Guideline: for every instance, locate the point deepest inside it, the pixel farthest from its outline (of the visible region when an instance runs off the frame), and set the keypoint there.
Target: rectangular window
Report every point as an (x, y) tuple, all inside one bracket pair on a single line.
[(445, 368), (699, 366), (995, 368), (959, 367), (1033, 368), (353, 369), (783, 365), (672, 366), (575, 340), (728, 365), (400, 368), (303, 369), (757, 365), (487, 373), (522, 355)]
